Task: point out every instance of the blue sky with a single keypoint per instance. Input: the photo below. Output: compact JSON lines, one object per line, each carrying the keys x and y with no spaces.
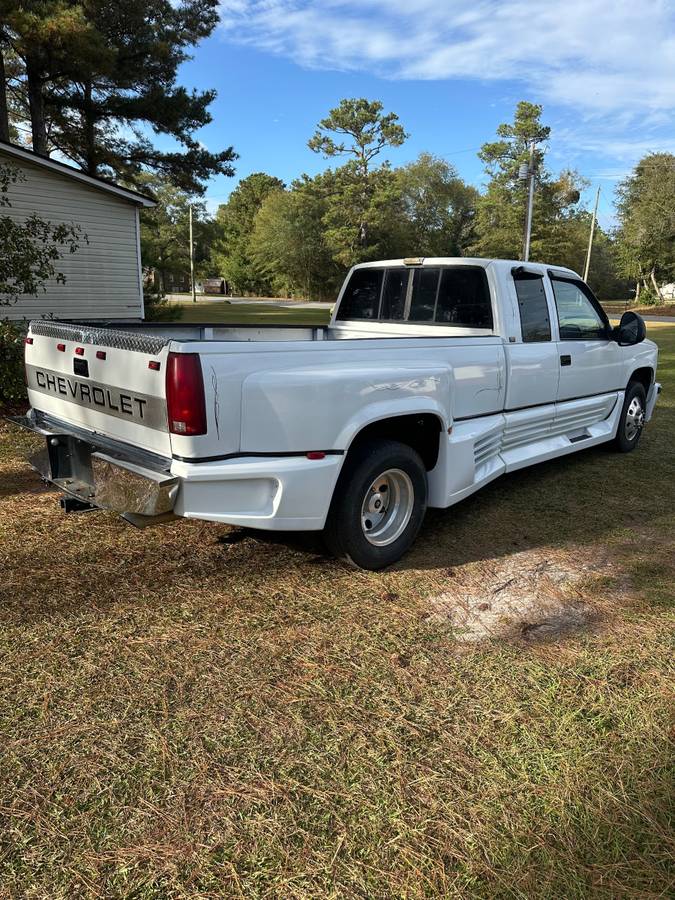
{"x":604,"y":72}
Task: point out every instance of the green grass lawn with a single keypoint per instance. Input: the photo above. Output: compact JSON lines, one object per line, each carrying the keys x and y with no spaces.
{"x":618,"y":307}
{"x":251,"y":314}
{"x":192,"y":711}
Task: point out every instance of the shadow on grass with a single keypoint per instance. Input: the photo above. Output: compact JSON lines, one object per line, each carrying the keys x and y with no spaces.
{"x":575,"y":499}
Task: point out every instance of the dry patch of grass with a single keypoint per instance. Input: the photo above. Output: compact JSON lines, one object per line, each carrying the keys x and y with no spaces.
{"x":193,"y":711}
{"x":532,"y":594}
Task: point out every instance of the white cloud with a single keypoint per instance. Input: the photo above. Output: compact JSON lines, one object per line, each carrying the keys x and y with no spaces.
{"x":597,"y":56}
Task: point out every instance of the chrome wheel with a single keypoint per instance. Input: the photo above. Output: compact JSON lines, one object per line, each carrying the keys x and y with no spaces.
{"x":635,"y":419}
{"x":387,"y":507}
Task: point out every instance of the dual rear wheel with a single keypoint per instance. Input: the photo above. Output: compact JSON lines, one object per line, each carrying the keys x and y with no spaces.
{"x":378,"y":504}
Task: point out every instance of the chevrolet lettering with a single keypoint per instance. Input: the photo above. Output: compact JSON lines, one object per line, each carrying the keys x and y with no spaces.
{"x":85,"y":392}
{"x":432,"y":378}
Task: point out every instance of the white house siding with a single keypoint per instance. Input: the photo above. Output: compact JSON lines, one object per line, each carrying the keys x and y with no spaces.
{"x":103,"y":277}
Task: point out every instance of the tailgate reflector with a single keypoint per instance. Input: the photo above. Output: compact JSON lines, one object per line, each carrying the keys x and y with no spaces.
{"x":315,"y":454}
{"x":101,"y":354}
{"x":185,"y":394}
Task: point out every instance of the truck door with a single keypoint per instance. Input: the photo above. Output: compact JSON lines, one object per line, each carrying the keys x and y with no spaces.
{"x":590,"y":362}
{"x":532,"y":359}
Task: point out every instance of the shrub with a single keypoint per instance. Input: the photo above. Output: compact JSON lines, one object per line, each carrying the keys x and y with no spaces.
{"x":12,"y":381}
{"x":158,"y":308}
{"x":649,"y":297}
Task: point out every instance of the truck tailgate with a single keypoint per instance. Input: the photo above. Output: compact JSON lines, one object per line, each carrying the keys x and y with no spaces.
{"x":107,"y":381}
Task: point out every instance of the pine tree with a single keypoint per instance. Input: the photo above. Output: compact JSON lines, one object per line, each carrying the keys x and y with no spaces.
{"x":500,"y":214}
{"x":100,"y":75}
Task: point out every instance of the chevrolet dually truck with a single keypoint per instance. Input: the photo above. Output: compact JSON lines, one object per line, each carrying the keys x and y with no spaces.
{"x":433,"y":377}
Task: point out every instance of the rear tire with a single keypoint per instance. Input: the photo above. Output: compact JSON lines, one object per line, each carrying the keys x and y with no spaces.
{"x":631,"y":420}
{"x":378,"y":505}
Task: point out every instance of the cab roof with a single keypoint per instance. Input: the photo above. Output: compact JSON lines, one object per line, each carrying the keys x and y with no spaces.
{"x":416,"y":261}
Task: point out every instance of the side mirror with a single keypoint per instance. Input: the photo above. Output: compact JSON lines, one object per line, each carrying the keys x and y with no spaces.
{"x":630,"y":330}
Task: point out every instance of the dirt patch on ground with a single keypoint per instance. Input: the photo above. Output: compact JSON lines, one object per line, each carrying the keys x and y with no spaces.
{"x":530,"y":595}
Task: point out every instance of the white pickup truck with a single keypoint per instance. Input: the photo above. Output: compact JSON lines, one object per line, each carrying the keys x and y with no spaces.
{"x":433,"y":377}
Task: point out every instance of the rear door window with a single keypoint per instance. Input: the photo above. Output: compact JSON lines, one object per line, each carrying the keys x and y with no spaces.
{"x":361,"y":299}
{"x":535,"y":322}
{"x":464,"y":298}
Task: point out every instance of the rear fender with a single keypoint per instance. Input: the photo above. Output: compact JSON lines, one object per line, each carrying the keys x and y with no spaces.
{"x":325,"y":408}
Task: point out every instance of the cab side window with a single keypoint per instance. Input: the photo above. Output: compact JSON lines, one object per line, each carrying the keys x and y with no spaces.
{"x":578,"y":318}
{"x":535,"y":322}
{"x":361,"y":299}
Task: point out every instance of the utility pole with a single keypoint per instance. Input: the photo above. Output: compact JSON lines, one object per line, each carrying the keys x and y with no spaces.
{"x":590,"y":237}
{"x":192,"y":262}
{"x":528,"y":172}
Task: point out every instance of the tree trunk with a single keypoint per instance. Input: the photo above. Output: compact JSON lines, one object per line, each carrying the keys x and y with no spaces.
{"x":4,"y":115}
{"x":36,"y":105}
{"x":89,"y":132}
{"x":638,"y":285}
{"x":656,"y":287}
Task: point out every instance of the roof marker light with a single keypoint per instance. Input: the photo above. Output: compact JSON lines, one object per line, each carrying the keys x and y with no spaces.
{"x":79,"y":351}
{"x":61,"y":348}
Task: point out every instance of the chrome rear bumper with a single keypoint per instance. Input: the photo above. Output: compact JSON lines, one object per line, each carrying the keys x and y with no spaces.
{"x":102,"y":475}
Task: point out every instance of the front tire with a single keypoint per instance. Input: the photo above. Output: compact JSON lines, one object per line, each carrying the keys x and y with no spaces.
{"x":631,"y":421}
{"x":378,"y":505}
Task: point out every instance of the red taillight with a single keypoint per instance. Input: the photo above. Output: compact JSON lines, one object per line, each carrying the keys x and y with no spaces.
{"x":155,"y":365}
{"x":185,"y":394}
{"x":79,"y":351}
{"x":100,"y":354}
{"x":29,"y":340}
{"x":61,"y":347}
{"x":315,"y":454}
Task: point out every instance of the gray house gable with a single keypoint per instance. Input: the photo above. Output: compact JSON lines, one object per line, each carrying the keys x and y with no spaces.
{"x":103,"y":277}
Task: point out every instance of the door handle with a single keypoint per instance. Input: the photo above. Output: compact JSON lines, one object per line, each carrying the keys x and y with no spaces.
{"x":566,"y":360}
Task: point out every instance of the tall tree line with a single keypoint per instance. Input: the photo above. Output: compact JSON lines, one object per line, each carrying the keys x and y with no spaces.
{"x":302,"y":238}
{"x":95,"y":79}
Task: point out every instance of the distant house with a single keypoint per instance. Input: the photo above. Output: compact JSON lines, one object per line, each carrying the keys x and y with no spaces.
{"x":104,"y":278}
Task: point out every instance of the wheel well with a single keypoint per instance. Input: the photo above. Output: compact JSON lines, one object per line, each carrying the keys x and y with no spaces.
{"x":420,"y":431}
{"x":643,"y":376}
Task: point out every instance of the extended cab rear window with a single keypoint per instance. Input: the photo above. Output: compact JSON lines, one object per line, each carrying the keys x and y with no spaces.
{"x":443,"y":295}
